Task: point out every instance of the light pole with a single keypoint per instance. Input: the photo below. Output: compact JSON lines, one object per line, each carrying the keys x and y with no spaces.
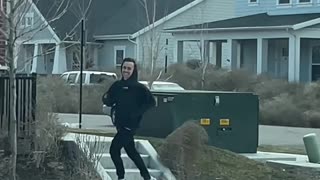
{"x":82,"y":44}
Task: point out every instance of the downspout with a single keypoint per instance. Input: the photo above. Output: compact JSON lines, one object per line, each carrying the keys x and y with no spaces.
{"x":136,"y":44}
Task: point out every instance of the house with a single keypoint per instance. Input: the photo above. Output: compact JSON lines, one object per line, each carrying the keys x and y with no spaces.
{"x":277,"y":37}
{"x":114,"y":29}
{"x":147,"y":42}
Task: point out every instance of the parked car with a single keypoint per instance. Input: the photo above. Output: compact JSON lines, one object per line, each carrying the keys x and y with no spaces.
{"x":4,"y":70}
{"x":89,"y":77}
{"x":163,"y":86}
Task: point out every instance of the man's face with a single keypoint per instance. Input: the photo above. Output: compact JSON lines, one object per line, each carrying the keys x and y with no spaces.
{"x":127,"y":70}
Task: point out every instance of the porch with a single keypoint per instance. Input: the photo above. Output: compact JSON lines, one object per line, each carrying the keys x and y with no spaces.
{"x":50,"y":58}
{"x":287,"y":51}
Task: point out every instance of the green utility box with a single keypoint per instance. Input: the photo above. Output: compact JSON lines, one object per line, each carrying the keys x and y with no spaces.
{"x":231,"y":119}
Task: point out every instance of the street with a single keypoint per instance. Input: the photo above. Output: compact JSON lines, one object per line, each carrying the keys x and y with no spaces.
{"x":268,"y":135}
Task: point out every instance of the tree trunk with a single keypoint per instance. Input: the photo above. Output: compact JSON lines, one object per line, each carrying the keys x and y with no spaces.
{"x":12,"y":82}
{"x":13,"y":122}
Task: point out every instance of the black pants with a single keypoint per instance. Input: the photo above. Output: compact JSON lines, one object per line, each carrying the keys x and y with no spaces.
{"x":124,"y":138}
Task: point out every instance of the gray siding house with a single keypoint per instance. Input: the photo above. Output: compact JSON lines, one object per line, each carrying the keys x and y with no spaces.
{"x":149,"y":43}
{"x":276,"y":37}
{"x":114,"y":29}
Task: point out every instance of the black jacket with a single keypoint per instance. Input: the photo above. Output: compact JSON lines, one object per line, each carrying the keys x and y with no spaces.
{"x":131,"y":100}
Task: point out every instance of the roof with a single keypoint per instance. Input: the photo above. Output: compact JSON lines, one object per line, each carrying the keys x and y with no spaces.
{"x":255,"y":21}
{"x":104,"y":17}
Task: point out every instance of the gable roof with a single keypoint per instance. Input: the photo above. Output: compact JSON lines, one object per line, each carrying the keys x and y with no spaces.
{"x":257,"y":21}
{"x":105,"y":17}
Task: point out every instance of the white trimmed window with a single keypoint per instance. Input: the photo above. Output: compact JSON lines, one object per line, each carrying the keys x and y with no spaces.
{"x":119,"y":54}
{"x":27,"y":20}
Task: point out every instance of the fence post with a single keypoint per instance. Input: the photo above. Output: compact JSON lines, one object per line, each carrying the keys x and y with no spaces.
{"x":312,"y":147}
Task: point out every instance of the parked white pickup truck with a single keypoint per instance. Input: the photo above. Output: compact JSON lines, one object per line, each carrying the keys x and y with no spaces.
{"x":88,"y":78}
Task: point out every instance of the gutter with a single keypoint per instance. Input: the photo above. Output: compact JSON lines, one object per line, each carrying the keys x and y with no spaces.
{"x":112,"y":37}
{"x":228,"y":29}
{"x":78,"y":42}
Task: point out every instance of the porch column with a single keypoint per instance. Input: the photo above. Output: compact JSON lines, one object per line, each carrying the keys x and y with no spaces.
{"x":96,"y":55}
{"x":205,"y":46}
{"x":202,"y":50}
{"x":262,"y":55}
{"x":207,"y":51}
{"x":291,"y":60}
{"x":297,"y":58}
{"x":234,"y":53}
{"x":35,"y":58}
{"x":213,"y":53}
{"x":41,"y":66}
{"x":59,"y":63}
{"x":180,"y":51}
{"x":16,"y":54}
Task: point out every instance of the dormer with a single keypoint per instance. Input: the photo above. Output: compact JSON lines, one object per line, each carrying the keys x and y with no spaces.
{"x":249,"y":7}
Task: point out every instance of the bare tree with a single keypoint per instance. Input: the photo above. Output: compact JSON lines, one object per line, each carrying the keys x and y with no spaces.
{"x":13,"y":13}
{"x":153,"y":39}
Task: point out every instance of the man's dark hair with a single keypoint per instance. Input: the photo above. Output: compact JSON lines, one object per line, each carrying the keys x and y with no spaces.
{"x":134,"y":76}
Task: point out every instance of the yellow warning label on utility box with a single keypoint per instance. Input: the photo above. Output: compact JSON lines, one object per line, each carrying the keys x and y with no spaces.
{"x":224,"y":122}
{"x":205,"y":121}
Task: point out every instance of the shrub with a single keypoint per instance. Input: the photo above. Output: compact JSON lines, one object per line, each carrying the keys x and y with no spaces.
{"x":313,"y":118}
{"x":238,"y":80}
{"x":65,"y":98}
{"x":281,"y":110}
{"x":182,"y":150}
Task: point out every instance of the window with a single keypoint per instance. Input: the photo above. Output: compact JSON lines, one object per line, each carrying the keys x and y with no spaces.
{"x":316,"y":55}
{"x":101,"y":78}
{"x":280,"y":2}
{"x":64,"y":77}
{"x":83,"y":78}
{"x":253,"y":2}
{"x":304,"y":1}
{"x":27,"y":20}
{"x":315,"y":66}
{"x":72,"y":78}
{"x":119,"y":54}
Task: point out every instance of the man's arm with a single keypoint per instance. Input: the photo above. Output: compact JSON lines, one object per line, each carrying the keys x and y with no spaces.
{"x":109,"y":98}
{"x":148,"y":101}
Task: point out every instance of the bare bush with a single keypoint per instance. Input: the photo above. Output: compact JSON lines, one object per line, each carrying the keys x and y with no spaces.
{"x":238,"y":80}
{"x":186,"y":77}
{"x":48,"y":132}
{"x":270,"y":88}
{"x":182,"y":150}
{"x":282,"y":110}
{"x":83,"y":161}
{"x":313,"y":118}
{"x":65,"y":98}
